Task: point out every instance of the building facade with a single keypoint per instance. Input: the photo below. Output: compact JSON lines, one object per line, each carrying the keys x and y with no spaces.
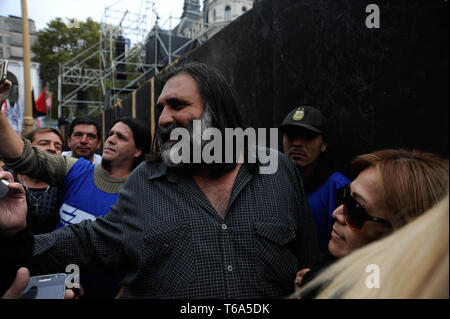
{"x":214,"y":16}
{"x":11,"y":39}
{"x":11,"y":48}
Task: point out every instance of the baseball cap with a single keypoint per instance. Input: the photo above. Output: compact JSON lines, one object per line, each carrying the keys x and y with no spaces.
{"x":307,"y":117}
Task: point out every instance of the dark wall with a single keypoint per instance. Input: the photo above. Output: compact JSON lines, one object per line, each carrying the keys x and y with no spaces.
{"x":243,"y":52}
{"x":379,"y":88}
{"x":125,"y":108}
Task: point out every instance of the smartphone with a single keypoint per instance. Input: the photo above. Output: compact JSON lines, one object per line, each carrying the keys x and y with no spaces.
{"x":46,"y":287}
{"x":3,"y":188}
{"x":3,"y":71}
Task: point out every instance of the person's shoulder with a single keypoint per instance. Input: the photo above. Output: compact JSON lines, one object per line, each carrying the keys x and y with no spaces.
{"x":97,"y":159}
{"x":274,"y":162}
{"x":84,"y":162}
{"x":286,"y":164}
{"x":339,"y":179}
{"x":283,"y":160}
{"x":148,"y":169}
{"x":279,"y":167}
{"x":81,"y":164}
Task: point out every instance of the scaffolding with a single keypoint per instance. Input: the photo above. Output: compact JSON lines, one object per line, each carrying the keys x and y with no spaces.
{"x":164,"y":42}
{"x":133,"y":65}
{"x":76,"y":77}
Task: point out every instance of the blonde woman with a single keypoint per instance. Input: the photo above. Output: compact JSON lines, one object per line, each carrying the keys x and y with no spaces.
{"x":391,"y":188}
{"x":411,"y":263}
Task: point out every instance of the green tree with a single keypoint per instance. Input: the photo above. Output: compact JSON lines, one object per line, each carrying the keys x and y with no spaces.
{"x":58,"y":43}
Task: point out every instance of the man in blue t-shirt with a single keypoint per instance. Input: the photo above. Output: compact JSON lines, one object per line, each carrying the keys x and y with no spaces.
{"x":305,"y":143}
{"x":87,"y":190}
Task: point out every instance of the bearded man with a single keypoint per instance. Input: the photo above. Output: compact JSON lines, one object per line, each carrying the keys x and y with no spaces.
{"x":195,"y":229}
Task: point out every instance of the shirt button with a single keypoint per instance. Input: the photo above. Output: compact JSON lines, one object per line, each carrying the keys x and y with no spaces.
{"x":230,"y":268}
{"x":224,"y":226}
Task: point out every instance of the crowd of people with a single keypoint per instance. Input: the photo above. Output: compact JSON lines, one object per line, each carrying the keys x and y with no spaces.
{"x":141,"y":225}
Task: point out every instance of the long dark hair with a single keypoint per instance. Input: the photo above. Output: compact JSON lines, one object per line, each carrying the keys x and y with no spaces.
{"x":218,"y":98}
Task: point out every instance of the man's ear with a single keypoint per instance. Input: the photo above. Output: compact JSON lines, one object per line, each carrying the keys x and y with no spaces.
{"x":323,"y":147}
{"x":138,"y":152}
{"x":68,"y":141}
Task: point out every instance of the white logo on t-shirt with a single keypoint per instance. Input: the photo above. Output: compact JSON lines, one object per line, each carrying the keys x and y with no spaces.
{"x":72,"y":215}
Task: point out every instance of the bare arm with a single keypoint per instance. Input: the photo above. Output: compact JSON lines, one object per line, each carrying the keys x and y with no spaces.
{"x":11,"y":144}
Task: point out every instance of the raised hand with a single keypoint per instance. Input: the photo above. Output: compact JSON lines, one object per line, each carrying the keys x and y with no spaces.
{"x":13,"y":207}
{"x":4,"y":90}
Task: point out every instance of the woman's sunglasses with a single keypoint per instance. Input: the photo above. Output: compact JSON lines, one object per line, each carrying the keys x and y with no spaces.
{"x":355,"y":214}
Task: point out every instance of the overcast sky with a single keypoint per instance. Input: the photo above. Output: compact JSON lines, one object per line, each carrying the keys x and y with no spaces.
{"x":42,"y":11}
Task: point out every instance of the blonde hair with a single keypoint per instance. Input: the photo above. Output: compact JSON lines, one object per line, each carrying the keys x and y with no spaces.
{"x":411,"y":181}
{"x":413,"y":262}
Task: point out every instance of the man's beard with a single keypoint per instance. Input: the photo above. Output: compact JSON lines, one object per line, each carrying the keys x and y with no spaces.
{"x":165,"y":145}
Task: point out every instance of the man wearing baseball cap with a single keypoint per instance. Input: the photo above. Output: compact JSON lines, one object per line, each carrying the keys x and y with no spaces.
{"x":305,"y":135}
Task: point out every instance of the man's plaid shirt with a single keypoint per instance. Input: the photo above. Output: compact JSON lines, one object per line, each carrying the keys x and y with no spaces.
{"x":168,"y":241}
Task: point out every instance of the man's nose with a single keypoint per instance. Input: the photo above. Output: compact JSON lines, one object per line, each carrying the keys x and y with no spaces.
{"x":166,"y":117}
{"x":297,"y":141}
{"x":51,"y":149}
{"x":84,"y":138}
{"x":110,"y":140}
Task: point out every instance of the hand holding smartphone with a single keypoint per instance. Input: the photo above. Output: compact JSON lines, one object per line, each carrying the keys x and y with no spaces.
{"x":46,"y":287}
{"x":3,"y":188}
{"x":3,"y":71}
{"x":5,"y":86}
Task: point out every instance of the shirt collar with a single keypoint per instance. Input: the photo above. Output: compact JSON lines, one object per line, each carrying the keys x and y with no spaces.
{"x":157,"y":170}
{"x":160,"y":169}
